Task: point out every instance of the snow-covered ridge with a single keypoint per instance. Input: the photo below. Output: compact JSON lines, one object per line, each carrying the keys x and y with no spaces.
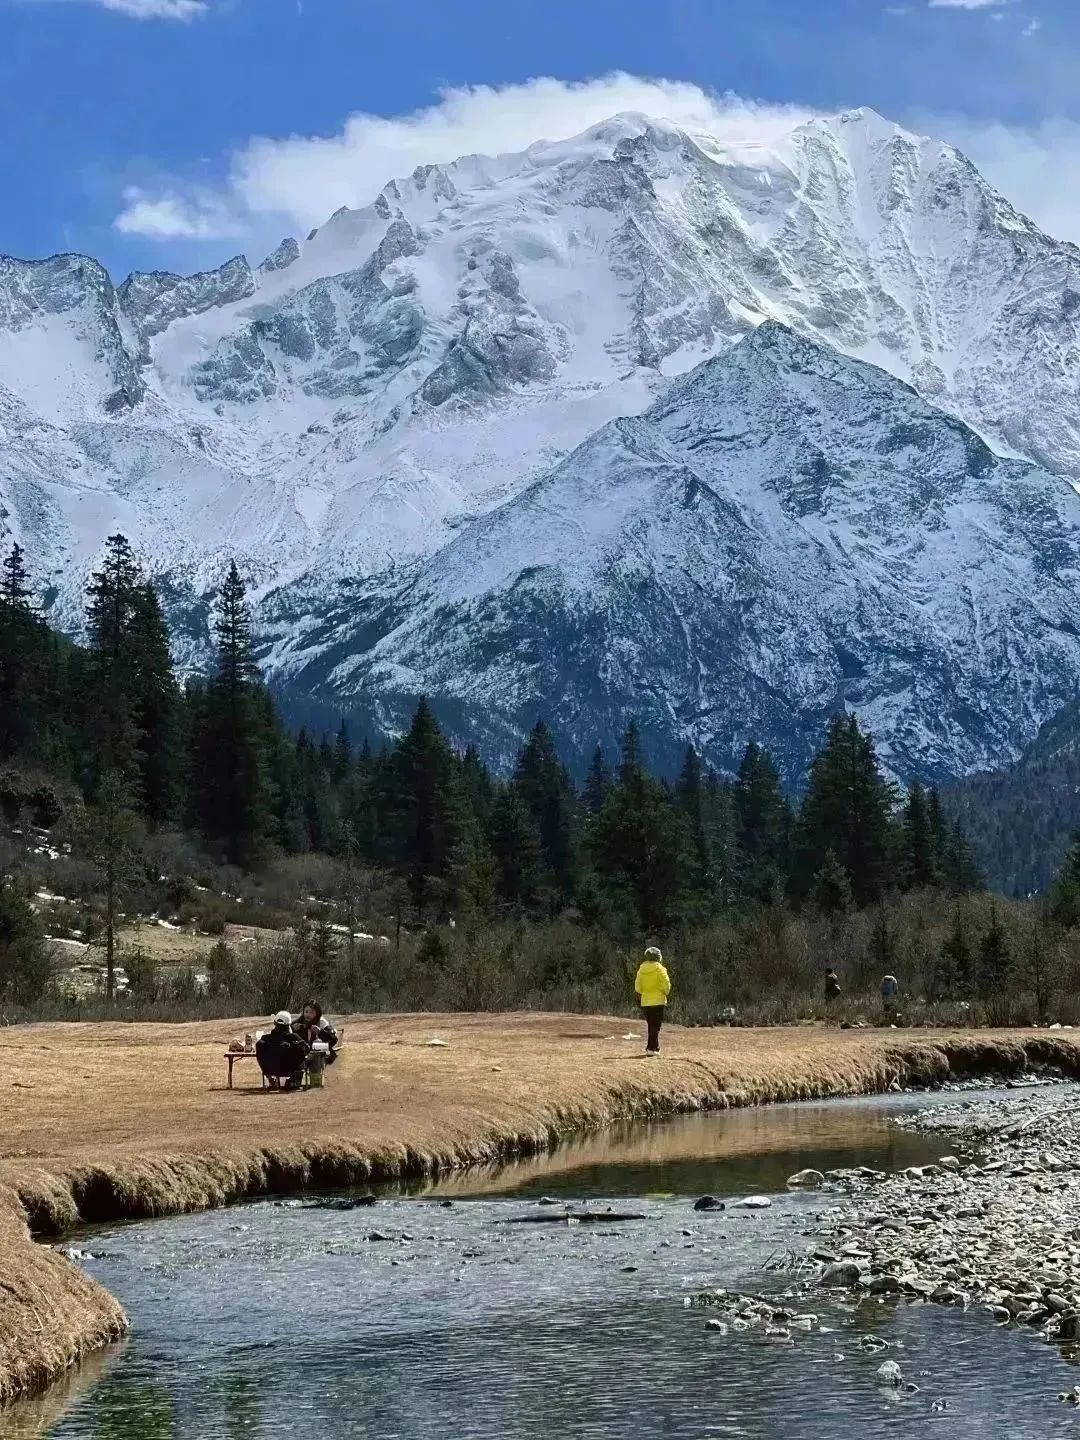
{"x":355,"y":406}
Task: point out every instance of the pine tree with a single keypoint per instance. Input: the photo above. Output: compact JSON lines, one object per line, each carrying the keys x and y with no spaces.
{"x":155,"y":710}
{"x":956,"y":966}
{"x":25,"y":965}
{"x":112,"y":600}
{"x":847,"y":809}
{"x":597,"y":784}
{"x":428,"y":805}
{"x":761,"y":818}
{"x":341,"y":766}
{"x":637,"y":845}
{"x":21,"y":643}
{"x":832,"y":887}
{"x":881,"y":949}
{"x":110,"y":838}
{"x":544,"y":785}
{"x":690,"y":799}
{"x":515,"y":844}
{"x":1064,"y":904}
{"x":994,"y":960}
{"x":920,"y":862}
{"x":234,"y":794}
{"x":721,"y":829}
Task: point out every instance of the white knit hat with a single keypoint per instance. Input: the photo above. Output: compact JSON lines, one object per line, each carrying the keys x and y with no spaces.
{"x":283,"y":1018}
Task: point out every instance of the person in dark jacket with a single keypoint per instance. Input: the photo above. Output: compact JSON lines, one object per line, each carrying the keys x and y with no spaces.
{"x":282,"y":1054}
{"x":311,"y":1025}
{"x":832,"y":987}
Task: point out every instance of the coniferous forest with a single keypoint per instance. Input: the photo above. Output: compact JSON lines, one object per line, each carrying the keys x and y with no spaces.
{"x":410,"y":874}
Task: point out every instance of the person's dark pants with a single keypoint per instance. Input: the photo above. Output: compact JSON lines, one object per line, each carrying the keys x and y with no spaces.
{"x":654,"y":1018}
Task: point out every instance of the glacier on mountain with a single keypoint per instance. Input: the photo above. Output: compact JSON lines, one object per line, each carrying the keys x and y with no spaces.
{"x":372,"y":417}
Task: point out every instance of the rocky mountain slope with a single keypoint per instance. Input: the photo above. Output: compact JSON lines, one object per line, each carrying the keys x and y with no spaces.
{"x":784,"y":533}
{"x":365,"y":408}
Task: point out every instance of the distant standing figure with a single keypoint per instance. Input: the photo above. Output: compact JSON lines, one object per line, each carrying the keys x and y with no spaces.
{"x":653,"y":986}
{"x":889,"y":992}
{"x":282,"y":1054}
{"x":832,"y":987}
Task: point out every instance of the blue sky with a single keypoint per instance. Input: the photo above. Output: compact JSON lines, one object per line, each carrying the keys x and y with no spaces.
{"x":174,"y":133}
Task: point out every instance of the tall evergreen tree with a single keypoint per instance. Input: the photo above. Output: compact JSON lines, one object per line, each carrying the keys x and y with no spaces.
{"x":955,"y":970}
{"x":597,"y":784}
{"x":234,"y":793}
{"x":1064,"y":901}
{"x":761,"y":815}
{"x":22,"y":642}
{"x":638,"y":845}
{"x":920,"y":857}
{"x":155,"y":710}
{"x":110,"y":837}
{"x":113,"y":596}
{"x":847,"y":810}
{"x":691,"y":801}
{"x":429,"y":806}
{"x":994,"y":959}
{"x":25,"y":963}
{"x":548,"y":794}
{"x":516,"y":846}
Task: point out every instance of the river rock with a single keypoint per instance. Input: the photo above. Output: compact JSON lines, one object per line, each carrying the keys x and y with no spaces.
{"x":884,"y":1285}
{"x":890,"y":1375}
{"x":807,"y":1180}
{"x":845,"y":1274}
{"x":719,"y":1325}
{"x":753,"y":1202}
{"x":709,"y":1202}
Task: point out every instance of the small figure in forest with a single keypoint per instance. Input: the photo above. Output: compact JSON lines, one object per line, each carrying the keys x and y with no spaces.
{"x":832,"y":988}
{"x":890,"y":991}
{"x":653,"y":986}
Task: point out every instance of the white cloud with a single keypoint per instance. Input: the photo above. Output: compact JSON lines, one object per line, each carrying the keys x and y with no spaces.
{"x":157,"y":9}
{"x":1031,"y":28}
{"x":170,"y":216}
{"x":966,"y":4}
{"x":273,"y":187}
{"x":149,"y":9}
{"x":1036,"y":167}
{"x":298,"y":182}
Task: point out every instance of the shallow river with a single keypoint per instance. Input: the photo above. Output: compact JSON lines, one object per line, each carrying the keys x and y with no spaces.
{"x":277,"y":1320}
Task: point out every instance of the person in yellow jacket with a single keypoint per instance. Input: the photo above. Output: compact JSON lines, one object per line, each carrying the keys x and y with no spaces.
{"x":653,"y":985}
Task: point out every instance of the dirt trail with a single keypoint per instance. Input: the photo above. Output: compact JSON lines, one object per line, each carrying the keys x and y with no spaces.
{"x":113,"y":1121}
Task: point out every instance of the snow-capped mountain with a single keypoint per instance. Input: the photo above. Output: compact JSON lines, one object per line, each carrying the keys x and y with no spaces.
{"x":362,"y":409}
{"x":784,"y":533}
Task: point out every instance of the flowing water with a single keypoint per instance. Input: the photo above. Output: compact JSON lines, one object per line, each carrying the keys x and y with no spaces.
{"x":431,"y":1315}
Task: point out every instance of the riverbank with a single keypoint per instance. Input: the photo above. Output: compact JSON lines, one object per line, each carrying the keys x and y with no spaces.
{"x":995,"y":1225}
{"x":114,"y":1121}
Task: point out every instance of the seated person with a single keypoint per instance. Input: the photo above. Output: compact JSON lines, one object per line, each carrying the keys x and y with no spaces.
{"x":282,"y":1054}
{"x":312,"y":1025}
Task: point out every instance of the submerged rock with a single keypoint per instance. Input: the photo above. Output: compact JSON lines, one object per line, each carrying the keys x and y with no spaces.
{"x":806,"y":1180}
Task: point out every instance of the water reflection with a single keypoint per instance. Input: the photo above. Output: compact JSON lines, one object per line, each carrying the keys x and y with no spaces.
{"x":421,"y":1321}
{"x":734,"y":1152}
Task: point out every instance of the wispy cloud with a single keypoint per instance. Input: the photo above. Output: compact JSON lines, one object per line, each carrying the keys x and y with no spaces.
{"x":298,"y":182}
{"x":967,"y":4}
{"x":169,"y":216}
{"x":183,"y":10}
{"x":271,"y":187}
{"x":1031,"y":28}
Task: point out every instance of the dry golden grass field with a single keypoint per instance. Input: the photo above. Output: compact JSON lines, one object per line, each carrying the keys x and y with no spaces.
{"x":112,"y":1121}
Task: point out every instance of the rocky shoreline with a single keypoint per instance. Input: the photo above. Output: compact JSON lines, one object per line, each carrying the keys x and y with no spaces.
{"x":995,"y":1225}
